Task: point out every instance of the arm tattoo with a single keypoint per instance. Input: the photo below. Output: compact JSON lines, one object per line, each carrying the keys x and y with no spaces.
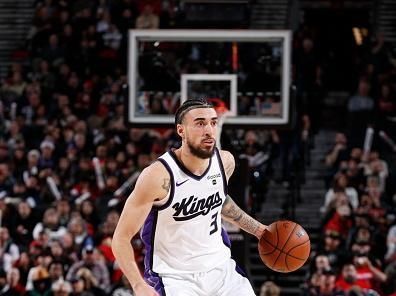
{"x":236,"y":215}
{"x":166,"y":184}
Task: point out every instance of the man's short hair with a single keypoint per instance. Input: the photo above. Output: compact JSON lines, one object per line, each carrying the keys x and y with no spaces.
{"x":190,"y":105}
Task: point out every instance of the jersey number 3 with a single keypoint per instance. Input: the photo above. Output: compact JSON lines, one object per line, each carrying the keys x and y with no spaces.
{"x":214,"y":224}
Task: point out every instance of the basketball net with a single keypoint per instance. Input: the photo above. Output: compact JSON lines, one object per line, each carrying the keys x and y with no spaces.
{"x":222,"y":113}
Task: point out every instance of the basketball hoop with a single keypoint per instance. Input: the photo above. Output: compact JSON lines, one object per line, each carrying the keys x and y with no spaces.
{"x":222,"y":113}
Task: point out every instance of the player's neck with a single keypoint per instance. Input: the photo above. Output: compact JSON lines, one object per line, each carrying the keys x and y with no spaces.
{"x":194,"y":164}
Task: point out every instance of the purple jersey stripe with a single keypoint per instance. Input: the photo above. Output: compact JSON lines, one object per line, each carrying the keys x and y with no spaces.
{"x":148,"y":235}
{"x":227,"y":242}
{"x":239,"y":270}
{"x":226,"y":239}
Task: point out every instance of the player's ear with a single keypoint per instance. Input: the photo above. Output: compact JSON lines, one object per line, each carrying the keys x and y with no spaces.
{"x":180,"y":130}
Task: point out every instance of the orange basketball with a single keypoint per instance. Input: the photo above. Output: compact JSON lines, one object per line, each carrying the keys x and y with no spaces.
{"x":285,"y":246}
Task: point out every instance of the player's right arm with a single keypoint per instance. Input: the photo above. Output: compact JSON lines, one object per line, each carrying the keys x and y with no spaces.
{"x":152,"y":184}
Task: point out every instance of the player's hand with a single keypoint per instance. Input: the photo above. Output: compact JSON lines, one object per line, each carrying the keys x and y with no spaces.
{"x":143,"y":289}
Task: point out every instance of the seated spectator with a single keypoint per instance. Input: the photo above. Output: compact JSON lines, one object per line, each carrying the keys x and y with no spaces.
{"x":341,"y":185}
{"x":327,"y":285}
{"x":4,"y":288}
{"x":15,"y":287}
{"x":56,"y":271}
{"x":71,"y":251}
{"x":338,"y":153}
{"x":64,"y":210}
{"x":83,"y":286}
{"x":374,"y":166}
{"x":98,"y":274}
{"x":333,"y":247}
{"x":6,"y":180}
{"x":46,"y":160}
{"x":355,"y":175}
{"x":360,"y":108}
{"x":147,"y":19}
{"x":339,"y":218}
{"x":61,"y":288}
{"x":348,"y":279}
{"x":368,"y":275}
{"x":390,"y":255}
{"x":89,"y":214}
{"x":24,"y":264}
{"x":49,"y":225}
{"x":59,"y":254}
{"x":15,"y":84}
{"x":320,"y":263}
{"x":39,"y":282}
{"x":386,"y":101}
{"x":7,"y":246}
{"x":269,"y":289}
{"x":390,"y":272}
{"x":77,"y":227}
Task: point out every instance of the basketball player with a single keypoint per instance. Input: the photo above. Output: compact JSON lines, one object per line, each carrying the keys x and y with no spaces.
{"x":178,"y":203}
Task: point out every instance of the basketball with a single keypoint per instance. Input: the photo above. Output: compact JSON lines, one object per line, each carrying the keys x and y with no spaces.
{"x":285,"y":246}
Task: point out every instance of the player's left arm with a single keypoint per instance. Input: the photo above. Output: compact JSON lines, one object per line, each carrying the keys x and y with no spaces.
{"x":231,"y":211}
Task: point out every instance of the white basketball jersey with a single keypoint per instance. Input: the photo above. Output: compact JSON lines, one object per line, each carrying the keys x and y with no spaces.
{"x":184,"y":235}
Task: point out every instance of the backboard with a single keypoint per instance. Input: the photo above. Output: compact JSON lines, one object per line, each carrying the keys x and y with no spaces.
{"x":251,"y":69}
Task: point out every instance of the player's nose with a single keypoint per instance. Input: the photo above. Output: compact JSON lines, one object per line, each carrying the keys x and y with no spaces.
{"x":209,"y":130}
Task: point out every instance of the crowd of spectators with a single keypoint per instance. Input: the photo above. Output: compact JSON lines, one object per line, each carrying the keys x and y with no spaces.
{"x":67,"y":159}
{"x":357,"y":255}
{"x":65,"y":149}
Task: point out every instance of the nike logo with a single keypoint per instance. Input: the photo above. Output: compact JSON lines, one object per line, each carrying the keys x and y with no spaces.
{"x":181,"y":183}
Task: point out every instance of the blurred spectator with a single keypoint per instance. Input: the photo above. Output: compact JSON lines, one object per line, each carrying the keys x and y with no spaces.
{"x":308,"y":72}
{"x":60,"y":256}
{"x":341,"y":185}
{"x":40,"y":282}
{"x":7,"y":246}
{"x":61,"y":288}
{"x":112,"y":38}
{"x":320,"y":263}
{"x":327,"y":287}
{"x":15,"y":84}
{"x":147,"y":19}
{"x":6,"y":180}
{"x":360,"y":113}
{"x":50,"y":225}
{"x":390,"y":255}
{"x":95,"y":271}
{"x":63,"y":209}
{"x":348,"y":278}
{"x":386,"y":105}
{"x":77,"y":227}
{"x":55,"y":271}
{"x":338,"y":153}
{"x":333,"y":248}
{"x":339,"y":217}
{"x":269,"y":289}
{"x":13,"y":282}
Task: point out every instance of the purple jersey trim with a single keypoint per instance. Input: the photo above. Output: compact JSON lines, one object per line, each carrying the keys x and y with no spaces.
{"x":227,"y":242}
{"x":225,"y":185}
{"x":148,"y":235}
{"x":226,"y":239}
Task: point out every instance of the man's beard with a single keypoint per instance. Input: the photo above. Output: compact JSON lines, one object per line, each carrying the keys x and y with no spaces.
{"x":199,"y":152}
